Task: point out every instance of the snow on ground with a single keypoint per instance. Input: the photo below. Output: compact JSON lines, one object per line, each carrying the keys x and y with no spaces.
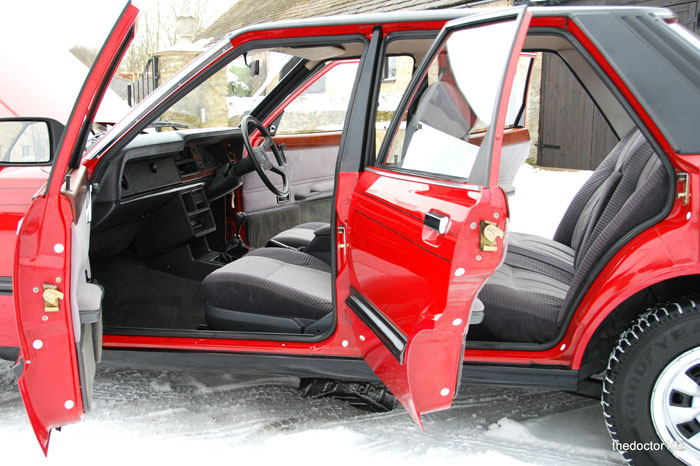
{"x":161,"y":417}
{"x":168,"y":417}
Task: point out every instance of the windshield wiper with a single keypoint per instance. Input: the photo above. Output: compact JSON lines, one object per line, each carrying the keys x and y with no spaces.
{"x":158,"y":125}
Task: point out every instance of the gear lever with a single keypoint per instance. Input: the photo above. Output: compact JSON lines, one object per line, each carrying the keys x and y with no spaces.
{"x":237,"y":248}
{"x":241,"y":218}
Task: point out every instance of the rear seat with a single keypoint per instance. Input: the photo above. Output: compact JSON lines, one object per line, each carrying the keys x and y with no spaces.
{"x":526,"y":297}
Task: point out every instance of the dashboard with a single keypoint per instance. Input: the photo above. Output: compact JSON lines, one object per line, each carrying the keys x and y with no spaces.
{"x":154,"y":168}
{"x":196,"y":161}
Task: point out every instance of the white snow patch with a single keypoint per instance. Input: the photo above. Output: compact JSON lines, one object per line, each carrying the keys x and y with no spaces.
{"x":204,"y":388}
{"x":161,"y":384}
{"x":541,"y":198}
{"x":577,"y":433}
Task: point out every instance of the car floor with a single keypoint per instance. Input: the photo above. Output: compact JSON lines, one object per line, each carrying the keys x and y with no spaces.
{"x":139,"y":296}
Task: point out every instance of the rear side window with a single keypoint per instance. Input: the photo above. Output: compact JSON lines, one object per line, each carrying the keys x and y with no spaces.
{"x":453,"y":103}
{"x":396,"y":75}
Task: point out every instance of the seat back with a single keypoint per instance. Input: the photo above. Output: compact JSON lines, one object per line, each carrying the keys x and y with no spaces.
{"x":633,"y":192}
{"x":572,"y":216}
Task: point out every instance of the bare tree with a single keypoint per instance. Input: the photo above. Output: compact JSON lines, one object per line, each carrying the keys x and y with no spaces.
{"x":86,"y":55}
{"x":157,"y":30}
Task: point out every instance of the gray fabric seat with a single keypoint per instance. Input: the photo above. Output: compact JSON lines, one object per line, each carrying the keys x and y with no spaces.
{"x":542,"y":255}
{"x":279,"y":289}
{"x":271,"y":290}
{"x":299,"y":236}
{"x":527,"y":298}
{"x":519,"y":305}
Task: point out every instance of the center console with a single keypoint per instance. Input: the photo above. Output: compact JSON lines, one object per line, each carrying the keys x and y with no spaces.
{"x":174,"y":238}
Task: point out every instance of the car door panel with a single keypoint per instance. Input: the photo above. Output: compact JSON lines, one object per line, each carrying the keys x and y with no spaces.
{"x":51,"y":270}
{"x":401,"y":268}
{"x":50,"y":382}
{"x":420,"y":242}
{"x":308,"y":122}
{"x":311,"y":167}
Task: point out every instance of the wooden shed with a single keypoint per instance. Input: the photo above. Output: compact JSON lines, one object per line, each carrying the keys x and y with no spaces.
{"x":581,"y":139}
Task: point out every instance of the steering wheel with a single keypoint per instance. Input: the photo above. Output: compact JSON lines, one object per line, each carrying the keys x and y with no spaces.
{"x":259,"y":157}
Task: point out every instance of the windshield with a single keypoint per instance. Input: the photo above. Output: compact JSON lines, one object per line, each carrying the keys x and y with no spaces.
{"x":231,"y":93}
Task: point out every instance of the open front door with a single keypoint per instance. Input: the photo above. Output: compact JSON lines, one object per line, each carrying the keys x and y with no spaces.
{"x":426,"y":224}
{"x":56,"y":305}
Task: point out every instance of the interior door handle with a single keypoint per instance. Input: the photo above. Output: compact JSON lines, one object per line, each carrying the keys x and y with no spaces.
{"x":437,"y":222}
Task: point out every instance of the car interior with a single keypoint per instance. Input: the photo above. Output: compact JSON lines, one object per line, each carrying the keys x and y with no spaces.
{"x":189,"y":239}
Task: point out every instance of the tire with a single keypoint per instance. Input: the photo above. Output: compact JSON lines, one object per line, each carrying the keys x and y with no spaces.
{"x":644,"y":411}
{"x":373,"y":398}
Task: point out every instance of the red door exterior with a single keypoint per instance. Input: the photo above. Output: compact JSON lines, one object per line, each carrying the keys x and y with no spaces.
{"x":413,"y":236}
{"x":50,"y":382}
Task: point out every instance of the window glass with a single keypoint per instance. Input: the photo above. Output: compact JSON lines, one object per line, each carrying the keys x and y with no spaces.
{"x":455,"y":100}
{"x":323,"y":105}
{"x":397,"y":74}
{"x":230,"y":94}
{"x":516,"y":115}
{"x":389,"y":68}
{"x":24,"y":142}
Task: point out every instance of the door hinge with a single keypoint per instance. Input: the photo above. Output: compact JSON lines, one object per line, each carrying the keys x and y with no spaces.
{"x":51,"y":297}
{"x":684,"y":194}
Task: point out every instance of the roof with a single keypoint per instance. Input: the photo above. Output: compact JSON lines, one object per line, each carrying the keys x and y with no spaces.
{"x":248,"y":12}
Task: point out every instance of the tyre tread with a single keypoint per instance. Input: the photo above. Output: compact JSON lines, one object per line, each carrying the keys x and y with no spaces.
{"x":653,"y":318}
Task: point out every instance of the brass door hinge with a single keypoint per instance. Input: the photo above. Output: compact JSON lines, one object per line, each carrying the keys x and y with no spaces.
{"x":684,"y":194}
{"x":51,"y":297}
{"x":487,"y":238}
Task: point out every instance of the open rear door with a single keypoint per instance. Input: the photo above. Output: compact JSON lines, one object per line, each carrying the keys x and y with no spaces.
{"x":426,"y":223}
{"x":56,"y":305}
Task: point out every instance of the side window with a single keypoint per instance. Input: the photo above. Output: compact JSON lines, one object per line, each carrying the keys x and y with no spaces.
{"x":454,"y":101}
{"x":396,"y":75}
{"x":322,"y":106}
{"x":517,"y":105}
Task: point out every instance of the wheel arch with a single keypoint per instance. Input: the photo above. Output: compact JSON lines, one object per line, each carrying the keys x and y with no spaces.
{"x":603,"y":337}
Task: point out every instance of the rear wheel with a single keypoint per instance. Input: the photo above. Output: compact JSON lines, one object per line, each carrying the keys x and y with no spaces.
{"x":651,"y":390}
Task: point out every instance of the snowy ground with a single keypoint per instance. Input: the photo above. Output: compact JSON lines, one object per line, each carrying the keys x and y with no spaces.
{"x":152,"y":417}
{"x":161,"y":417}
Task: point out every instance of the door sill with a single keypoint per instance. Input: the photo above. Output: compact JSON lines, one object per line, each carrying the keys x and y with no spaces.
{"x":216,"y":334}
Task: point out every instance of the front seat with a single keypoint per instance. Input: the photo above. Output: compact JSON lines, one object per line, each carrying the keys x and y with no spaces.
{"x":272,"y":290}
{"x":299,"y":236}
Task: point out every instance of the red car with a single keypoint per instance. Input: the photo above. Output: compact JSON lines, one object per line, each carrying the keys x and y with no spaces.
{"x":164,"y":249}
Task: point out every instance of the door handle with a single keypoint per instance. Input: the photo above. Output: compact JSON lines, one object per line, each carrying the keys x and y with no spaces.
{"x":437,"y":222}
